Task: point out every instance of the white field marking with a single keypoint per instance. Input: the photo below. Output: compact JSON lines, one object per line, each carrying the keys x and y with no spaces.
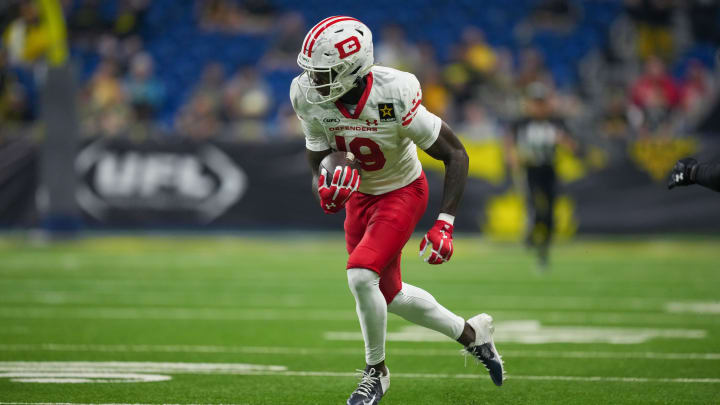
{"x":95,"y":298}
{"x":531,"y":332}
{"x":310,"y":351}
{"x":293,"y":314}
{"x":75,"y":403}
{"x":133,"y":367}
{"x":243,"y":369}
{"x":81,"y":377}
{"x":712,"y":307}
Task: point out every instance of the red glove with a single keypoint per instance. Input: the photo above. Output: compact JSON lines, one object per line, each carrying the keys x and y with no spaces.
{"x":333,"y":197}
{"x":440,"y":236}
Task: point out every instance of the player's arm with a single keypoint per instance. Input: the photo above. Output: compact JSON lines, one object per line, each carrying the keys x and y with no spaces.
{"x":511,"y":153}
{"x":314,"y":158}
{"x":708,"y":175}
{"x":688,"y":171}
{"x":451,"y":152}
{"x":565,"y":137}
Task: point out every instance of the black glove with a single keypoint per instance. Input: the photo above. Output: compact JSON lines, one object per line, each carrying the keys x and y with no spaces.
{"x":683,"y":174}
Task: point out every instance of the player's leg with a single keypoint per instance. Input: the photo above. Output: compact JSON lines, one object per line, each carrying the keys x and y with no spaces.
{"x":372,"y":313}
{"x":420,"y":307}
{"x":364,"y":284}
{"x":531,"y":203}
{"x":546,"y":188}
{"x":415,"y":304}
{"x":370,"y":305}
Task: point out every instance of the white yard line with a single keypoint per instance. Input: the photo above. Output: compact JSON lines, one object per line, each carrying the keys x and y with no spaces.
{"x":68,"y":296}
{"x":86,"y":368}
{"x":293,"y":314}
{"x":312,"y":351}
{"x":75,"y":403}
{"x":697,"y":307}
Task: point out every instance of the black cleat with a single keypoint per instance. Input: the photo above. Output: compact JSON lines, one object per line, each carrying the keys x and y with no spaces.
{"x":483,"y":349}
{"x":371,"y":388}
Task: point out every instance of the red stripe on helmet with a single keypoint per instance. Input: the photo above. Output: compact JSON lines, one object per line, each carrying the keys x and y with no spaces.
{"x":307,"y":38}
{"x":317,"y":34}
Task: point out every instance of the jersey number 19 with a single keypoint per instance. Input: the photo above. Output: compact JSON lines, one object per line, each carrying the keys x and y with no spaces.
{"x":371,"y":157}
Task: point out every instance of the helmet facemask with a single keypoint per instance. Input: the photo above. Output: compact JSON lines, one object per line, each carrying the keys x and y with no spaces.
{"x":325,"y":84}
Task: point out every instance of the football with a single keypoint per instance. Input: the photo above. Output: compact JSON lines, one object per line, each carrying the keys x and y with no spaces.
{"x":339,"y":159}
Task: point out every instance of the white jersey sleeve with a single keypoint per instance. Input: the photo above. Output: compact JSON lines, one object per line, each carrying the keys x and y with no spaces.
{"x":315,"y":139}
{"x":417,"y":123}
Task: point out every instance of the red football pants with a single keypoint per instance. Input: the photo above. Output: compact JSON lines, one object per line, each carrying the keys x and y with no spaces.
{"x":378,"y":226}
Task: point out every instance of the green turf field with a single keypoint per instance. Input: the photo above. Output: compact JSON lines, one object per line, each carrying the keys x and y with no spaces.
{"x":270,"y":320}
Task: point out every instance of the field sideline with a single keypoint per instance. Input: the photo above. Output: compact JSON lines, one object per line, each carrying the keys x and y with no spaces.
{"x":269,"y":319}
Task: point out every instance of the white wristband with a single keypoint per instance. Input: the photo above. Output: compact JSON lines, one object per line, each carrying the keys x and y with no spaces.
{"x":447,"y":218}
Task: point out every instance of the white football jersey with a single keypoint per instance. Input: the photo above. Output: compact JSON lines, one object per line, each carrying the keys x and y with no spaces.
{"x":382,"y":131}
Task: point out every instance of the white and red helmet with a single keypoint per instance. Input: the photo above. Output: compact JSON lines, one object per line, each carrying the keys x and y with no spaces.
{"x":340,"y":47}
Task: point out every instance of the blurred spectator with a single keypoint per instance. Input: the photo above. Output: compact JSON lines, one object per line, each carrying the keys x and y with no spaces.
{"x":436,"y":97}
{"x":14,"y":104}
{"x":697,"y":90}
{"x":233,"y":16}
{"x":655,"y":94}
{"x":555,"y":15}
{"x":199,"y":118}
{"x":130,"y":17}
{"x":286,"y":124}
{"x":211,"y":84}
{"x":476,"y":123}
{"x":107,"y":111}
{"x":247,"y":101}
{"x":428,"y":63}
{"x":145,"y":92}
{"x":459,"y":79}
{"x":653,"y":21}
{"x":285,"y":46}
{"x":480,"y":56}
{"x":614,"y":122}
{"x":395,"y":51}
{"x":26,"y":37}
{"x":86,"y":24}
{"x":531,"y":69}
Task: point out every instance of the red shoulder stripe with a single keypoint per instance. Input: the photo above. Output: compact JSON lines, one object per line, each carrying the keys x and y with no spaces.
{"x":409,"y":120}
{"x":415,"y":107}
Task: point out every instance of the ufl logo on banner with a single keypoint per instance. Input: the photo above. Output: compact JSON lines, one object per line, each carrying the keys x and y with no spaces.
{"x":206,"y":182}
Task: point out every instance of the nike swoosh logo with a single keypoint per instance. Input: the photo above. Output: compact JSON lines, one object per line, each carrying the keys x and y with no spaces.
{"x":369,"y":401}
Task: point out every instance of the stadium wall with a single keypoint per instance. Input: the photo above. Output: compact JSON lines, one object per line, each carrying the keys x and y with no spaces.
{"x":184,"y":184}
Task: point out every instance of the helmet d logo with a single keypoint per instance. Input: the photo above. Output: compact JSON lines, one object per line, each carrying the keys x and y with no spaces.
{"x":348,"y":47}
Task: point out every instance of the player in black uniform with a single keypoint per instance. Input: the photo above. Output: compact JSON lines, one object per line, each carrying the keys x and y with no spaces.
{"x":531,"y":147}
{"x":688,"y":171}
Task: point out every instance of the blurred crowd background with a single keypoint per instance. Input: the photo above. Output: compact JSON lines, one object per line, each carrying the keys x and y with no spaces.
{"x":221,"y":68}
{"x":182,"y":105}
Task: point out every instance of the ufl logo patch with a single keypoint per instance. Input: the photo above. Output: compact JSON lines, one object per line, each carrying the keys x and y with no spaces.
{"x":386,"y":111}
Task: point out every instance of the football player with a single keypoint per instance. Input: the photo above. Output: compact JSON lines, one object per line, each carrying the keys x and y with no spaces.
{"x":345,"y":103}
{"x":531,"y":147}
{"x":688,"y":171}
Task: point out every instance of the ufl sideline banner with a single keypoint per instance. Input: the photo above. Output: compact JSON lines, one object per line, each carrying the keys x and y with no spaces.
{"x":181,"y":184}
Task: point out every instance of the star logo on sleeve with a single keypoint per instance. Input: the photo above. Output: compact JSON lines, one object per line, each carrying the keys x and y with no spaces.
{"x":386,"y":112}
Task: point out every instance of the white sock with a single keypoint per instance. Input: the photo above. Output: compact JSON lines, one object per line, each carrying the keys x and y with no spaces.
{"x":419,"y":307}
{"x":372,"y":312}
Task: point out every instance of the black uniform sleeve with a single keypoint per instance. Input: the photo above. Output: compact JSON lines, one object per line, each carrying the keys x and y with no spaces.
{"x":708,"y":175}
